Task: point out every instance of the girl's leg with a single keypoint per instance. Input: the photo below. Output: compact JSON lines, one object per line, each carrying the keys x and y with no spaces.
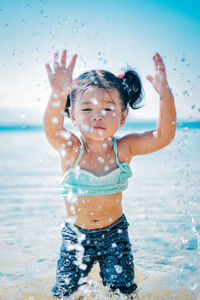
{"x":69,"y":275}
{"x":117,"y":267}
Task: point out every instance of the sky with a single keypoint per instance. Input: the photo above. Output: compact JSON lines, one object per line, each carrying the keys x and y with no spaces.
{"x":105,"y":34}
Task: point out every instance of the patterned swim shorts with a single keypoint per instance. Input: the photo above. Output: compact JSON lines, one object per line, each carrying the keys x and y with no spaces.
{"x":81,"y":248}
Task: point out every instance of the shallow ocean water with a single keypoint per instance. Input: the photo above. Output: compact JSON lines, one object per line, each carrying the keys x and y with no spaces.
{"x":162,"y":205}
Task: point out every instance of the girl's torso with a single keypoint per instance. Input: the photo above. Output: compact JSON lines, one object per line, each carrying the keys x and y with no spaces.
{"x":96,"y":211}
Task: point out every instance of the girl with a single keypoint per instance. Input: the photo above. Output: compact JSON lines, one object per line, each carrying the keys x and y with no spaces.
{"x":95,"y":167}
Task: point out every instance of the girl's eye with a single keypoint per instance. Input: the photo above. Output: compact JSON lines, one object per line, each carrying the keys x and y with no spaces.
{"x":86,"y":109}
{"x":109,"y":109}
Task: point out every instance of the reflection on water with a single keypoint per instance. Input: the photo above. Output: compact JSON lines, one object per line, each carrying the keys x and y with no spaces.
{"x":162,"y":206}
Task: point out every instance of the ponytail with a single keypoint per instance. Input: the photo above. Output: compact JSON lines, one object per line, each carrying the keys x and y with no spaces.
{"x":132,"y":83}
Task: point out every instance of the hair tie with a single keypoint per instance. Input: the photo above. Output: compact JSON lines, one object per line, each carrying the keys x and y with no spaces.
{"x":121,"y":76}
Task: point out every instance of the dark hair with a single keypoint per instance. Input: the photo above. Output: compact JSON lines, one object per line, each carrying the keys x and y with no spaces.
{"x":129,"y":88}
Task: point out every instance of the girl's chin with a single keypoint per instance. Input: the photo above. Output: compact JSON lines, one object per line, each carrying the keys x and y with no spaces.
{"x":95,"y":136}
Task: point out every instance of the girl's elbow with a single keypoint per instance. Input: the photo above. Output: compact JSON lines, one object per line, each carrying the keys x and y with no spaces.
{"x":169,"y":138}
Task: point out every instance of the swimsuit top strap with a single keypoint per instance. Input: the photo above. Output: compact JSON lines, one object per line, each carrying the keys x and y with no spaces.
{"x":79,"y":156}
{"x":116,"y":151}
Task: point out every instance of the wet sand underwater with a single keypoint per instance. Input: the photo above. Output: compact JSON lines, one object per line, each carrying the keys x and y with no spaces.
{"x":40,"y":290}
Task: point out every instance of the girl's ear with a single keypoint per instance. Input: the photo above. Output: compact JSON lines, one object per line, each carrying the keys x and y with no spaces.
{"x":72,"y":116}
{"x":124,"y":116}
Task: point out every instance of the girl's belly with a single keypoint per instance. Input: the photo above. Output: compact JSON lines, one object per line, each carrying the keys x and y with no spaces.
{"x":95,"y":211}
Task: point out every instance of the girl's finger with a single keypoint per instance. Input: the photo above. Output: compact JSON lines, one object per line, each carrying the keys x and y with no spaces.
{"x":63,"y":58}
{"x":160,"y":62}
{"x":48,"y":68}
{"x":150,"y":78}
{"x":155,"y":58}
{"x":72,"y":63}
{"x":55,"y":61}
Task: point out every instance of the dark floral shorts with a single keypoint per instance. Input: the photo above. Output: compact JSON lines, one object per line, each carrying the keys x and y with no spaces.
{"x":81,"y":248}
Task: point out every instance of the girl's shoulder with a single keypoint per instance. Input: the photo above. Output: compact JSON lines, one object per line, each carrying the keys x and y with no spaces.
{"x":124,"y":150}
{"x":69,"y":151}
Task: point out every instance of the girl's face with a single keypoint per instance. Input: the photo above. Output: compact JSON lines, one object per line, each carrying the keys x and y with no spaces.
{"x":98,"y":113}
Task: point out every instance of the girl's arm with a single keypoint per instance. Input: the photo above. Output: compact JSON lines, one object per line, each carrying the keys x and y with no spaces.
{"x":61,"y":83}
{"x":154,"y":140}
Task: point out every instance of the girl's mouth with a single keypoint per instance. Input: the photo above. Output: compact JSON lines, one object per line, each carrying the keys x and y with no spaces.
{"x":98,"y":127}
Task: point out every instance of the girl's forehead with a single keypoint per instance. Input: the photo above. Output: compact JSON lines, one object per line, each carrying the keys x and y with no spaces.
{"x":100,"y":95}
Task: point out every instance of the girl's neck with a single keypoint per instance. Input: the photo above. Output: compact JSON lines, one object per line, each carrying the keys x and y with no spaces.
{"x":98,"y":147}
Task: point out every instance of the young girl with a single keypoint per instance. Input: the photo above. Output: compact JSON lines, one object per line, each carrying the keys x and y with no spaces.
{"x":95,"y":167}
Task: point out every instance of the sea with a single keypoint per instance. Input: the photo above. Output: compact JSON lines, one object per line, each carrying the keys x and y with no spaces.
{"x":162,"y":205}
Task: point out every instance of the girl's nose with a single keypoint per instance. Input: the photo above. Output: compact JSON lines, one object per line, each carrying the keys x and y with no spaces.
{"x":97,"y":117}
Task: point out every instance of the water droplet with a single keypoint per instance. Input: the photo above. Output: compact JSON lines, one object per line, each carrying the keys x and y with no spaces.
{"x":100,"y":159}
{"x":85,"y":127}
{"x":56,"y":103}
{"x":71,"y":197}
{"x":112,"y":161}
{"x":110,"y":220}
{"x":94,"y":101}
{"x":72,"y":209}
{"x":186,"y":93}
{"x":67,"y":280}
{"x":193,"y":106}
{"x":55,"y":96}
{"x":106,"y":168}
{"x":23,"y":116}
{"x":92,"y":78}
{"x":69,"y":143}
{"x":65,"y":134}
{"x":55,"y":120}
{"x":103,"y":112}
{"x":63,"y":152}
{"x":118,"y":269}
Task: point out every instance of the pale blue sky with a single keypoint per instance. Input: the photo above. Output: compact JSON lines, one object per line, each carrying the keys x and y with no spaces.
{"x":104,"y":34}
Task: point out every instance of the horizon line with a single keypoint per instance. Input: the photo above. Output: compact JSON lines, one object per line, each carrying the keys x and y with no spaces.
{"x":180,"y":124}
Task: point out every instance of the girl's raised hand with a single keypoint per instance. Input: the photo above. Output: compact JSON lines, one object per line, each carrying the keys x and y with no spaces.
{"x":60,"y":78}
{"x":159,"y":81}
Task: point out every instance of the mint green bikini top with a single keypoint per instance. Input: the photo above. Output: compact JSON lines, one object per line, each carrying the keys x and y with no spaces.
{"x":84,"y":183}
